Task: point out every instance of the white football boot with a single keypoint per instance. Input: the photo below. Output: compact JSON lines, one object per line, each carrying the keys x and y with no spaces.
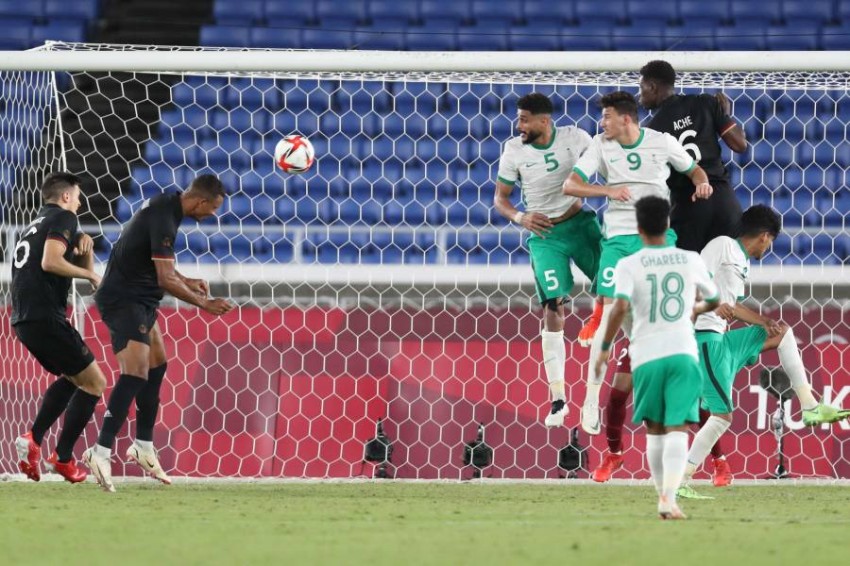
{"x":101,"y":469}
{"x":148,"y":461}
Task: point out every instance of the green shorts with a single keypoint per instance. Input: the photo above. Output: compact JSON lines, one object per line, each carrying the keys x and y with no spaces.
{"x":576,"y":239}
{"x":613,"y":250}
{"x":667,"y":391}
{"x":721,"y":357}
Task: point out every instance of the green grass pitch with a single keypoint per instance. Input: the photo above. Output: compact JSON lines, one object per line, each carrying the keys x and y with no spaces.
{"x":417,"y":523}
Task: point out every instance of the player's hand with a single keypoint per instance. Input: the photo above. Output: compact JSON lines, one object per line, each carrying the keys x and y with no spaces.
{"x":726,"y":312}
{"x":772,"y":327}
{"x":217,"y":306}
{"x":199,"y":287}
{"x":537,"y":223}
{"x":703,"y":190}
{"x":619,"y":193}
{"x":725,"y":105}
{"x":602,"y":361}
{"x":95,"y":281}
{"x":85,"y":245}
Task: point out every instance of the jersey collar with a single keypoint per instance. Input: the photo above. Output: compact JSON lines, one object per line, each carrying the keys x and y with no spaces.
{"x":637,"y":143}
{"x":743,"y":249}
{"x":551,"y":140}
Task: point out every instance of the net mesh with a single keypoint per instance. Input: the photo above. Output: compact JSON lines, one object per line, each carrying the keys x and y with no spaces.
{"x":382,"y":284}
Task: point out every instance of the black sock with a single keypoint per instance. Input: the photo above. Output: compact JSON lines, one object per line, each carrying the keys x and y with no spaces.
{"x":147,"y":403}
{"x":80,"y":410}
{"x":52,"y":404}
{"x":122,"y":396}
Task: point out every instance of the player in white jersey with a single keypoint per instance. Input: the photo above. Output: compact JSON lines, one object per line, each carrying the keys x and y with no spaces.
{"x":659,"y":285}
{"x":635,"y":163}
{"x":562,"y":232}
{"x":723,"y":353}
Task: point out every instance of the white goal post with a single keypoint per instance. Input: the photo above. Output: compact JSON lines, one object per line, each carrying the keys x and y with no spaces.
{"x":381,"y":284}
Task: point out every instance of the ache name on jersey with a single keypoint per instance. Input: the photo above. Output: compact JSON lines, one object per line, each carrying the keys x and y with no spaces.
{"x":683,"y":123}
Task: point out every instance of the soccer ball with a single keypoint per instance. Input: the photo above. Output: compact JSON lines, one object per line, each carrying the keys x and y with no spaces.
{"x":294,"y":154}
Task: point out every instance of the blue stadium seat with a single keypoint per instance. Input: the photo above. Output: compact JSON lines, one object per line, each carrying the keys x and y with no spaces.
{"x":393,"y":11}
{"x":588,"y":11}
{"x":740,"y":37}
{"x":285,"y":13}
{"x":579,"y":39}
{"x":456,"y":12}
{"x":803,"y":36}
{"x":499,"y":12}
{"x":24,"y":10}
{"x":836,"y":38}
{"x":58,"y":30}
{"x":225,"y":36}
{"x":694,"y":36}
{"x":13,"y":35}
{"x":654,"y":13}
{"x":637,"y":38}
{"x":814,"y":11}
{"x":755,"y":12}
{"x":315,"y":38}
{"x":536,"y":12}
{"x":442,"y":37}
{"x":537,"y":37}
{"x":368,"y":37}
{"x":490,"y":37}
{"x":716,"y":13}
{"x":71,"y":9}
{"x":330,"y":12}
{"x":238,"y":12}
{"x":276,"y":38}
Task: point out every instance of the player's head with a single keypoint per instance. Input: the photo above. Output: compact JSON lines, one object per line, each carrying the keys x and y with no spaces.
{"x":534,"y":116}
{"x":204,"y":196}
{"x":759,"y":227}
{"x":619,"y":114}
{"x":657,"y":79}
{"x":63,"y":189}
{"x":653,"y":216}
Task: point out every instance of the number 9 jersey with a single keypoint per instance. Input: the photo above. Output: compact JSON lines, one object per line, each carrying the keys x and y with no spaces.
{"x":36,"y":294}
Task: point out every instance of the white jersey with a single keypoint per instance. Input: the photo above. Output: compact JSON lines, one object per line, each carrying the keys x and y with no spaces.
{"x":542,"y":170}
{"x":661,"y":283}
{"x":643,"y":167}
{"x":729,"y":264}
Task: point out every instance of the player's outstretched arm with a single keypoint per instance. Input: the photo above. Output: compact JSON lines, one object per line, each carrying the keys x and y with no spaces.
{"x":576,"y":186}
{"x":172,"y":282}
{"x":749,"y":316}
{"x":615,"y":320}
{"x":53,"y":261}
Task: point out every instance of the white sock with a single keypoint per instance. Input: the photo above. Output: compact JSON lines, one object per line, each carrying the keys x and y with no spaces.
{"x":594,"y":382}
{"x":554,"y":360}
{"x":147,"y":445}
{"x":675,"y":460}
{"x":792,"y":363}
{"x":703,"y":441}
{"x":102,"y":451}
{"x":655,"y":457}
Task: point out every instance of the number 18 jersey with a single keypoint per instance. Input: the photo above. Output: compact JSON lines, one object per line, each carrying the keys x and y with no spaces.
{"x":661,"y":283}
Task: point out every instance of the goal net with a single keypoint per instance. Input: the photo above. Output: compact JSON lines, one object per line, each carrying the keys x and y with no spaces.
{"x":382,"y":284}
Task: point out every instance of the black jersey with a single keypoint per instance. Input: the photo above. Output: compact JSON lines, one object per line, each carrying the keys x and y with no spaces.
{"x":130,"y":272}
{"x":37,"y":294}
{"x":696,"y":120}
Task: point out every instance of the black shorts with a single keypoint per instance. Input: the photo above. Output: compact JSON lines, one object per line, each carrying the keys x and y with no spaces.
{"x":131,"y":321}
{"x":697,"y":223}
{"x":56,"y":345}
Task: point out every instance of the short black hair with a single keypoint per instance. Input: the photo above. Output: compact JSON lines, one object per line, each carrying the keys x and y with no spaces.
{"x":759,"y":219}
{"x":659,"y":71}
{"x":536,"y":103}
{"x":653,"y":215}
{"x":621,"y":101}
{"x":57,"y":183}
{"x":209,"y":186}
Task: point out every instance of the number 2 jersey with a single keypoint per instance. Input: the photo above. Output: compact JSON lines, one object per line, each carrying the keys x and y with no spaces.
{"x":643,"y":167}
{"x":696,"y":121}
{"x":661,"y":283}
{"x":37,"y":294}
{"x":542,"y":170}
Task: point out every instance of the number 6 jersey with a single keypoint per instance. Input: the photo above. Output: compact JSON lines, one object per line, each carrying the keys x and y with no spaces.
{"x":36,"y":294}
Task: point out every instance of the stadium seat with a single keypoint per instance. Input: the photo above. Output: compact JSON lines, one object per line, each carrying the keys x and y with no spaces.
{"x":86,"y":10}
{"x":276,"y":38}
{"x":755,"y":13}
{"x":225,"y":36}
{"x":537,"y":12}
{"x":238,"y":12}
{"x":498,"y":12}
{"x":456,"y":12}
{"x":442,"y":37}
{"x":368,"y":37}
{"x":819,"y":12}
{"x":588,"y":12}
{"x":693,"y":36}
{"x":537,"y":37}
{"x":742,"y":37}
{"x":490,"y":37}
{"x":652,"y":13}
{"x":13,"y":35}
{"x":284,"y":13}
{"x":331,"y":13}
{"x":803,"y":36}
{"x":579,"y":39}
{"x":393,"y":12}
{"x":58,"y":30}
{"x":836,"y":38}
{"x":713,"y":13}
{"x":637,"y":38}
{"x":24,"y":10}
{"x":316,"y":38}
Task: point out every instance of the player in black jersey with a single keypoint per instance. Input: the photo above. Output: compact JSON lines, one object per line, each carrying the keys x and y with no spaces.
{"x":696,"y":120}
{"x":50,"y":253}
{"x":140,"y":269}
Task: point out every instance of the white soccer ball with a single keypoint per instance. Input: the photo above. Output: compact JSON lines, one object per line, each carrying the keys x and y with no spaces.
{"x":294,"y":154}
